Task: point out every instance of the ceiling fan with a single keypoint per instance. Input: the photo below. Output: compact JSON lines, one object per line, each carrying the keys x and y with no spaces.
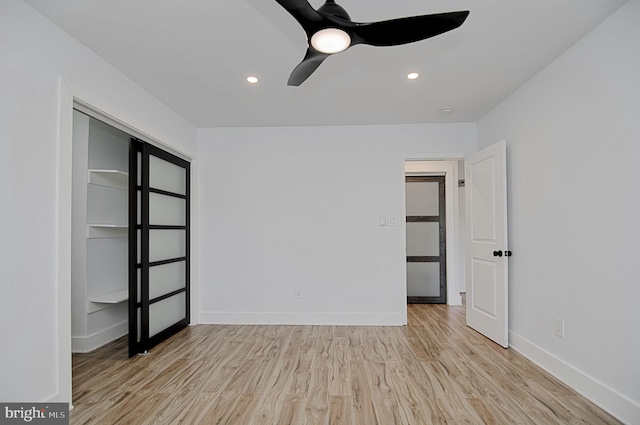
{"x":330,"y":30}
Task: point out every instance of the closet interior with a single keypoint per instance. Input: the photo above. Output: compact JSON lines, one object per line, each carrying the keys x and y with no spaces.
{"x":99,"y":284}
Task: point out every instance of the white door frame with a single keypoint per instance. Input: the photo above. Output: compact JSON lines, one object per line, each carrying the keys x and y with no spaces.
{"x":422,"y":166}
{"x":68,"y":98}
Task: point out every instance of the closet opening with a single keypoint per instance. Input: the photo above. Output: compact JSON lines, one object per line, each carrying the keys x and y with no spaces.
{"x":130,"y":238}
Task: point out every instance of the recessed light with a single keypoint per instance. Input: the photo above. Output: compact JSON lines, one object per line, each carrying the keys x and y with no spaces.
{"x":252,"y":80}
{"x":446,"y":110}
{"x":412,"y":75}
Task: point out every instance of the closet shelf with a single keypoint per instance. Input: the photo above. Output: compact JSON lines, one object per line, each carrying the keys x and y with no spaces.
{"x":111,"y":298}
{"x":100,"y":302}
{"x":110,"y":178}
{"x":107,"y":230}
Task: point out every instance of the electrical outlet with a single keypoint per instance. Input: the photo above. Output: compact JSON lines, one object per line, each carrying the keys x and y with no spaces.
{"x":298,"y":293}
{"x":559,"y":327}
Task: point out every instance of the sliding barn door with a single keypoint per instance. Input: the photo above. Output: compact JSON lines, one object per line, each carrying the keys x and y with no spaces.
{"x":158,"y":246}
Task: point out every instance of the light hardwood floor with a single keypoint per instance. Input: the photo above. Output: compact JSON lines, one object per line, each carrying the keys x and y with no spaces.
{"x":435,"y":370}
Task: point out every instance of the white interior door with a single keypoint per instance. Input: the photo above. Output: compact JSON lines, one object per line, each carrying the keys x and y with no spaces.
{"x":486,"y":244}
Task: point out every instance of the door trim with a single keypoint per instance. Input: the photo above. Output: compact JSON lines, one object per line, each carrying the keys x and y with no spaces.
{"x":424,"y":166}
{"x":71,"y":96}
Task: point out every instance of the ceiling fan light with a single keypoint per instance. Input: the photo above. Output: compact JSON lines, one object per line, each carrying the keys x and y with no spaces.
{"x":330,"y":40}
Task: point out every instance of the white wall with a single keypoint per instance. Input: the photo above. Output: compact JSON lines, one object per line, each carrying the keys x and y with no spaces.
{"x":573,"y":135}
{"x":282,"y":208}
{"x":34,"y":55}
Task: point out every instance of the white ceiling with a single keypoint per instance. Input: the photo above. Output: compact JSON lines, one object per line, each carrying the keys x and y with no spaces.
{"x":195,"y":55}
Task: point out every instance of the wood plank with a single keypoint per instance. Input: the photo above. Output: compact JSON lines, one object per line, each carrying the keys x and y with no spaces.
{"x":339,"y":373}
{"x":317,"y":401}
{"x":435,"y":370}
{"x":363,"y":412}
{"x":340,"y":411}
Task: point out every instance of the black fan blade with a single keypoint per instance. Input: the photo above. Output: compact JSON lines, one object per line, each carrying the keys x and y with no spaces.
{"x":406,"y":30}
{"x":310,"y":63}
{"x":302,"y":11}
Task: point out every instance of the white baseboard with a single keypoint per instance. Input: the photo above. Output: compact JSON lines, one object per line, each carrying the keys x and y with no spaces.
{"x":85,"y":344}
{"x":616,"y":404}
{"x":275,"y":318}
{"x":454,"y":299}
{"x":58,"y":398}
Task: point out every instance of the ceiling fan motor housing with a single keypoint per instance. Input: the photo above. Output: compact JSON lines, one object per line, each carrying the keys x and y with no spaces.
{"x":333,"y":9}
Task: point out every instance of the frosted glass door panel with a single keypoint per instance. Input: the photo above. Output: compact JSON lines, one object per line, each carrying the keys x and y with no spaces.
{"x":422,"y":198}
{"x":423,"y":279}
{"x":139,"y":219}
{"x":139,"y":172}
{"x":166,"y":176}
{"x":423,"y":239}
{"x":139,"y":314}
{"x":165,"y":313}
{"x":167,"y":210}
{"x":166,"y":244}
{"x":163,"y":235}
{"x":139,"y":284}
{"x":166,"y":278}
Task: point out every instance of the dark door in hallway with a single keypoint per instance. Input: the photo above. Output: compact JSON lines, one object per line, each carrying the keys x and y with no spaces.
{"x":426,"y":239}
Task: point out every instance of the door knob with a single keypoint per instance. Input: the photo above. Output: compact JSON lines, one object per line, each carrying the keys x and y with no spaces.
{"x":497,"y":253}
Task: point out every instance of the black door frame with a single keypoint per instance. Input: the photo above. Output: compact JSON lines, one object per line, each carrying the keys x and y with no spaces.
{"x":442,"y":258}
{"x":145,"y":342}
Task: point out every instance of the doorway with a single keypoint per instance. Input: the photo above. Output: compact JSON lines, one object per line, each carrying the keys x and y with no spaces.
{"x":130,"y":229}
{"x":426,"y":240}
{"x":124,"y":118}
{"x":453,"y":265}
